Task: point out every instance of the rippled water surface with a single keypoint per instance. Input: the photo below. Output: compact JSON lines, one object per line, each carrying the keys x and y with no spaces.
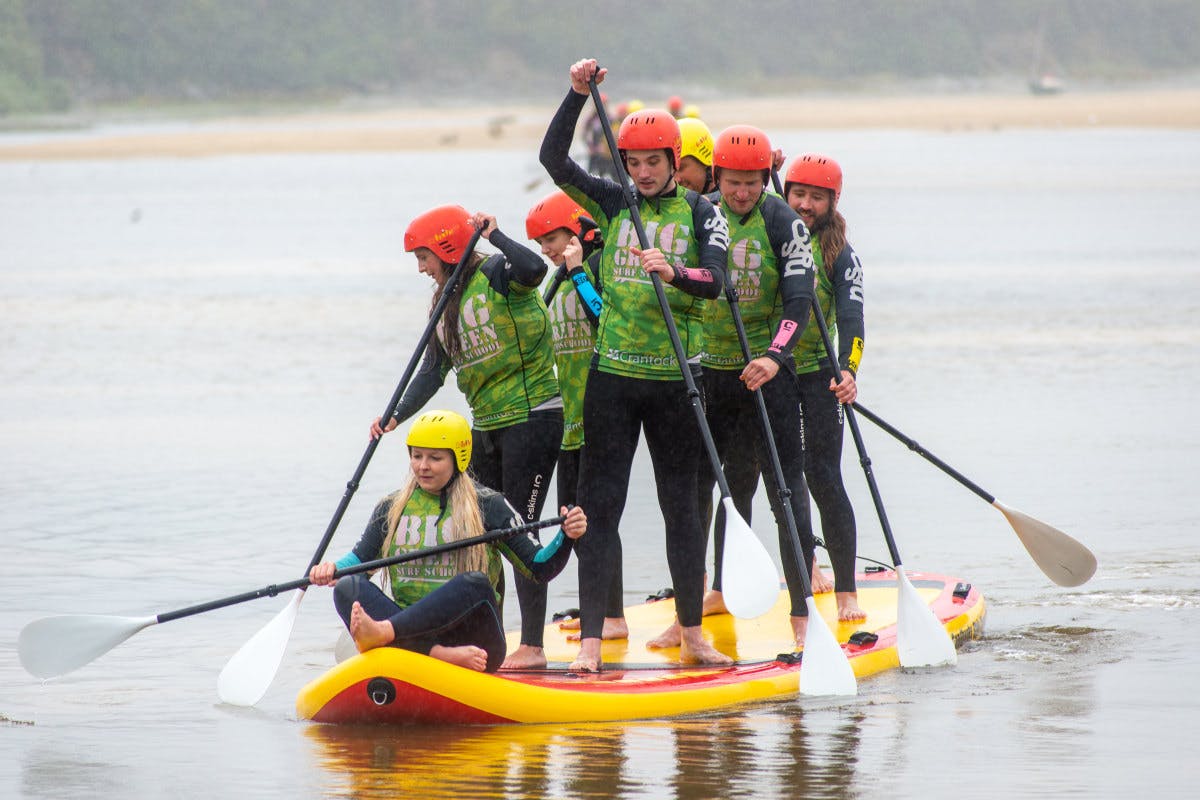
{"x":191,"y":350}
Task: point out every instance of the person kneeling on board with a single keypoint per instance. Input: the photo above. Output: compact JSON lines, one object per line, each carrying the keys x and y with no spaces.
{"x":446,"y":606}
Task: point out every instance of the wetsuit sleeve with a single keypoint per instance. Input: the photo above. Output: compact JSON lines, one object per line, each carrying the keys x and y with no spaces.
{"x":524,"y":269}
{"x":370,"y":545}
{"x":429,"y":378}
{"x":588,"y":290}
{"x":600,"y":197}
{"x":536,"y":562}
{"x":848,"y":294}
{"x":790,"y":240}
{"x":712,"y":235}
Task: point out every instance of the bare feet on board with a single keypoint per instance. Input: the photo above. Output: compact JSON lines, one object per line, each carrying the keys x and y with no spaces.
{"x":799,"y":630}
{"x":671,"y":637}
{"x":694,"y":649}
{"x":820,"y":581}
{"x":369,"y":633}
{"x":848,"y":608}
{"x":588,"y":659}
{"x":525,"y":657}
{"x":614,"y":628}
{"x":467,"y":655}
{"x":714,"y":602}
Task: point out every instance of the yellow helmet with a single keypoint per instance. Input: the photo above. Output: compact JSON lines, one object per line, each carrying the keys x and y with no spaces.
{"x":697,"y":140}
{"x":692,"y":110}
{"x":636,"y":105}
{"x":443,"y":430}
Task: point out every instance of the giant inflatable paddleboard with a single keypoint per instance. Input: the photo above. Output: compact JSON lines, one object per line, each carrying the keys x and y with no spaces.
{"x":388,"y":685}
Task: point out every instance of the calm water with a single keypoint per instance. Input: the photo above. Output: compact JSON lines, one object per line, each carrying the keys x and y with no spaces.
{"x":191,"y":350}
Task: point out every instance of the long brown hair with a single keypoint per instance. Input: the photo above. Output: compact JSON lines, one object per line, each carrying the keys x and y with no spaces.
{"x":830,"y":231}
{"x":449,"y":321}
{"x":466,"y":521}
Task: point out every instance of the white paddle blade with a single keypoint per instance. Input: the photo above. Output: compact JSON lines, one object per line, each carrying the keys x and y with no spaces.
{"x":247,"y":676}
{"x":920,"y":637}
{"x":824,"y":670}
{"x":749,"y":580}
{"x":54,"y":646}
{"x":344,"y":647}
{"x":1064,"y":560}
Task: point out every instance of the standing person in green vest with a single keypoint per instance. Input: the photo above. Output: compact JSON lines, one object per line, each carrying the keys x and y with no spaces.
{"x":496,"y":337}
{"x":770,"y":267}
{"x":635,"y":384}
{"x":812,"y":187}
{"x":570,"y":239}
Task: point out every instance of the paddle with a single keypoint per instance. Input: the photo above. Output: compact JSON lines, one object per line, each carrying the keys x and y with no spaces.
{"x":53,"y":646}
{"x":249,"y":672}
{"x":824,"y":669}
{"x":748,"y":576}
{"x":920,"y":638}
{"x":1063,"y":559}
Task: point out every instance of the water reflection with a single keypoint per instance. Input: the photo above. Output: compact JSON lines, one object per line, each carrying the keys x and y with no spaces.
{"x":507,"y":761}
{"x":777,"y":751}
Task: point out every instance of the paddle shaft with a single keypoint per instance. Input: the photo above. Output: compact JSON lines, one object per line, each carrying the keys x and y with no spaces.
{"x":852,"y":422}
{"x":916,"y":447}
{"x":434,"y":316}
{"x":366,"y":566}
{"x":630,"y":196}
{"x":784,"y":491}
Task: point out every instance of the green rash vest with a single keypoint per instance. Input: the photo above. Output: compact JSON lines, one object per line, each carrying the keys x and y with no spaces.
{"x":505,"y":366}
{"x":840,"y":294}
{"x":771,"y":267}
{"x":426,"y":523}
{"x":574,"y":343}
{"x":632,"y":339}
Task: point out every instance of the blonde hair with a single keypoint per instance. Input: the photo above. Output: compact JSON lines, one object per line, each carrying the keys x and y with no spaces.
{"x":465,"y":521}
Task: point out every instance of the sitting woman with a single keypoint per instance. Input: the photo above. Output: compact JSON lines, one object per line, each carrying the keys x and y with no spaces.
{"x":446,"y":606}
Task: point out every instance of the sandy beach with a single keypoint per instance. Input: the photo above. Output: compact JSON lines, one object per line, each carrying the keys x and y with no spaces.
{"x":519,"y":127}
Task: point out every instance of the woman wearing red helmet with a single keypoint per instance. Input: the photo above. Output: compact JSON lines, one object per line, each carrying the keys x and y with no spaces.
{"x":812,"y":187}
{"x":634,"y":384}
{"x":496,"y":337}
{"x":570,"y":239}
{"x":770,"y":267}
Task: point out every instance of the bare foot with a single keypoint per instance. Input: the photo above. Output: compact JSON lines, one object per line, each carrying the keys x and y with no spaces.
{"x":525,"y":657}
{"x":671,"y":637}
{"x":588,"y":659}
{"x":571,"y":624}
{"x":799,"y":631}
{"x":820,"y":583}
{"x":614,"y":628}
{"x":369,"y":633}
{"x":848,"y":608}
{"x":714,"y":602}
{"x":694,"y":649}
{"x":467,"y":655}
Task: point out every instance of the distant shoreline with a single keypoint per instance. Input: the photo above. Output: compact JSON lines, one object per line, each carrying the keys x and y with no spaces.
{"x":521,"y":126}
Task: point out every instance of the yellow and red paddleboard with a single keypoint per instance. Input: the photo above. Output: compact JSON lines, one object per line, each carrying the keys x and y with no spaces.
{"x":392,"y":686}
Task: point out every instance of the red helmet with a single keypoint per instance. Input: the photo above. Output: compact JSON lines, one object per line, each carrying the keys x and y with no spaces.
{"x":742,"y":147}
{"x":815,"y":169}
{"x":650,"y":129}
{"x":445,"y":230}
{"x":555,"y":210}
{"x":675,"y":103}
